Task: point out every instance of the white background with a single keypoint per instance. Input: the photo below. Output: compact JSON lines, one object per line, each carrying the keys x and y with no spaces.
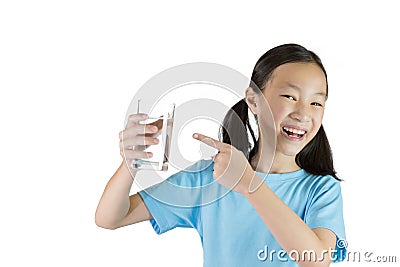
{"x":69,"y":69}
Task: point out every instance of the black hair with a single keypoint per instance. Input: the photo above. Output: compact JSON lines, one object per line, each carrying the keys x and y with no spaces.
{"x":316,"y":157}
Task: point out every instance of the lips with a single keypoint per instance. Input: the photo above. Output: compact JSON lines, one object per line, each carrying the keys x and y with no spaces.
{"x":293,"y":133}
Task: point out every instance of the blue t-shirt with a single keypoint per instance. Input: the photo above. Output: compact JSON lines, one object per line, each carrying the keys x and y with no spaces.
{"x":231,"y":231}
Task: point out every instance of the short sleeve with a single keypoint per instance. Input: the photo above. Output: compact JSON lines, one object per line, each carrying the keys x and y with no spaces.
{"x":326,"y":211}
{"x":166,"y":212}
{"x":176,"y":201}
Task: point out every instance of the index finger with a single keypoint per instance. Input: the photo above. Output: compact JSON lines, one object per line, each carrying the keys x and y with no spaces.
{"x":210,"y":141}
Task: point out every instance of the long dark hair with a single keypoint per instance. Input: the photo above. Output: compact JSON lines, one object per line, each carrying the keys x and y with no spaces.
{"x":316,"y":156}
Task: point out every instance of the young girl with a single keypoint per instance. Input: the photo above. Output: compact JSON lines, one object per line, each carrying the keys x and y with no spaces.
{"x":287,"y":211}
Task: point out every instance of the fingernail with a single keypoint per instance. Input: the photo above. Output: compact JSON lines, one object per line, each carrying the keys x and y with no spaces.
{"x":195,"y":135}
{"x":154,"y":128}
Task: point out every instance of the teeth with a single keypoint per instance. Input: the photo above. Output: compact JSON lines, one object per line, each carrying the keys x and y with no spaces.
{"x":296,"y":131}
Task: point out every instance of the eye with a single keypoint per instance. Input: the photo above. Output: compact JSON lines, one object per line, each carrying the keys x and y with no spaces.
{"x":289,"y":97}
{"x":316,"y":104}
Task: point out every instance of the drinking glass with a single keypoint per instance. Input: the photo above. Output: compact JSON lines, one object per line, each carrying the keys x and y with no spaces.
{"x":161,"y":151}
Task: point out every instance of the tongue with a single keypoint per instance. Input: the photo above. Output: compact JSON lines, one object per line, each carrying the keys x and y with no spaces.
{"x":294,"y":134}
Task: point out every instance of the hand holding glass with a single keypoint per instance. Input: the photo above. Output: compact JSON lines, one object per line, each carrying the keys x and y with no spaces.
{"x":160,"y":151}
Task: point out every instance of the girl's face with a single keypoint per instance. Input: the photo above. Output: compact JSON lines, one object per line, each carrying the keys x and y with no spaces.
{"x":296,"y":94}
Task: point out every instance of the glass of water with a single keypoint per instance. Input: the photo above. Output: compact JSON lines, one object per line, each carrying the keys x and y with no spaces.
{"x":161,"y":151}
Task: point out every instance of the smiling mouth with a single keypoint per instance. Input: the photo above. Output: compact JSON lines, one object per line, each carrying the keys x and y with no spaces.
{"x":294,"y":133}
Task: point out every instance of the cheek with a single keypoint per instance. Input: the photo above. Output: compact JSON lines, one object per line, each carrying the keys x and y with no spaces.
{"x":279,"y":112}
{"x":268,"y":116}
{"x":317,"y":121}
{"x":319,"y":117}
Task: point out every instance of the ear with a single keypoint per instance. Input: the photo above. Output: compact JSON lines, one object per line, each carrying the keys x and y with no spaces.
{"x":251,"y":100}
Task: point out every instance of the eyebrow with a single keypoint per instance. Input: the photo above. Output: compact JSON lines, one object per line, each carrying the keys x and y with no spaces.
{"x":297,"y":88}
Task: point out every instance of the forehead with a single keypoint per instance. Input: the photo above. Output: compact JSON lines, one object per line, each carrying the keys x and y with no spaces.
{"x":307,"y":76}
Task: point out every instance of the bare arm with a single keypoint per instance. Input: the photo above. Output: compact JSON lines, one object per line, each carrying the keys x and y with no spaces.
{"x":116,"y":208}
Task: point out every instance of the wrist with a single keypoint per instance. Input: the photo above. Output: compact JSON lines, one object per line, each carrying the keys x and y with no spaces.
{"x":249,"y":178}
{"x":128,"y":171}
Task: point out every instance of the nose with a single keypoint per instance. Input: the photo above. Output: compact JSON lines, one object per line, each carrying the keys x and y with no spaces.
{"x":301,"y":113}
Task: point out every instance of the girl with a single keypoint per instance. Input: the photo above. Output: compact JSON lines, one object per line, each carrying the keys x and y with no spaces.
{"x":293,"y":216}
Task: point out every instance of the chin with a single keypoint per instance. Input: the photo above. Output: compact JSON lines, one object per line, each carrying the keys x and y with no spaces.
{"x":289,"y":151}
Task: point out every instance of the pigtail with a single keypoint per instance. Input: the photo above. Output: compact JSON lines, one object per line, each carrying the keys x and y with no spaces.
{"x":316,"y":156}
{"x":236,"y":129}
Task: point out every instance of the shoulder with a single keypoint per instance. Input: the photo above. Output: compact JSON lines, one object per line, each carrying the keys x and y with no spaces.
{"x":322,"y":185}
{"x":320,"y":180}
{"x":201,"y":166}
{"x":184,"y":188}
{"x":198,"y":174}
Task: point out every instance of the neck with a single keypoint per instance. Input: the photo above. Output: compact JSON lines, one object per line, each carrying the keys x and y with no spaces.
{"x":281,"y":163}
